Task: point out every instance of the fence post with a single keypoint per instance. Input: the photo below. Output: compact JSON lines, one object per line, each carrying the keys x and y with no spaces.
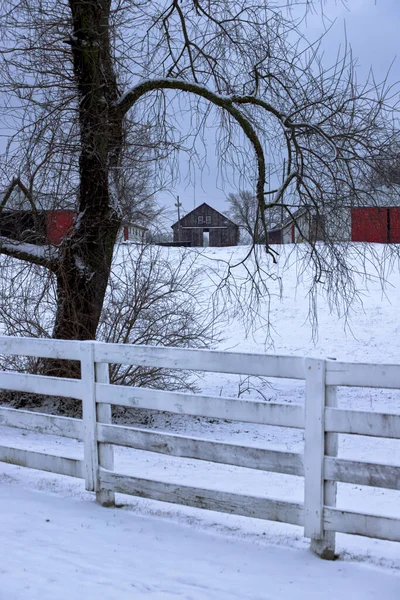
{"x":105,"y":451}
{"x":314,"y":450}
{"x":90,"y":450}
{"x":325,"y":547}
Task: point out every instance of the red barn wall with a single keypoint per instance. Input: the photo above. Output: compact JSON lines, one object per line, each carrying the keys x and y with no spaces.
{"x":369,"y":224}
{"x":394,"y":225}
{"x":379,"y":225}
{"x":59,"y":224}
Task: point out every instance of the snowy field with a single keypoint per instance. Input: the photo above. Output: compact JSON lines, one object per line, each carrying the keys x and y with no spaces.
{"x":58,"y":544}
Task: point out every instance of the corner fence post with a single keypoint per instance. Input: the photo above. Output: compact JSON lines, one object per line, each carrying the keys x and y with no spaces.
{"x":325,"y":547}
{"x":105,"y":451}
{"x":90,"y":451}
{"x":322,"y":542}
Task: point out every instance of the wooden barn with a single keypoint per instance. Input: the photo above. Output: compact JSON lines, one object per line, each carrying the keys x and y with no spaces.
{"x":205,"y":226}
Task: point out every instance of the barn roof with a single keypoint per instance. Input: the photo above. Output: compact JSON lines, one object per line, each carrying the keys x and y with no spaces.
{"x":42,"y":201}
{"x":290,"y":219}
{"x":210,"y":207}
{"x":127,"y":223}
{"x":381,"y":196}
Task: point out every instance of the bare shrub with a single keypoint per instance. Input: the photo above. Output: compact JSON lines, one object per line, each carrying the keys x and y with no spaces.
{"x":154,"y":297}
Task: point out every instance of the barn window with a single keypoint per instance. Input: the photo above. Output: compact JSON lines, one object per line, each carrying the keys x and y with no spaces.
{"x":208,"y":220}
{"x":200,"y":220}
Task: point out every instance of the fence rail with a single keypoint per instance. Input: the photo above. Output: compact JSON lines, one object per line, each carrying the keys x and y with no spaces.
{"x":320,"y":418}
{"x":248,"y":411}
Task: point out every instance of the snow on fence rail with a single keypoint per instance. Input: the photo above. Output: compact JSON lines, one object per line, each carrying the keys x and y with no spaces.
{"x":320,"y":418}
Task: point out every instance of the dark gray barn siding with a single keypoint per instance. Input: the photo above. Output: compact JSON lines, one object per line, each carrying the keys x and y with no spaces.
{"x":205,"y":219}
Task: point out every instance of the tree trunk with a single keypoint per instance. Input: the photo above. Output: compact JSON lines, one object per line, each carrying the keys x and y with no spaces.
{"x":81,"y":287}
{"x":85,"y":262}
{"x":86,"y":259}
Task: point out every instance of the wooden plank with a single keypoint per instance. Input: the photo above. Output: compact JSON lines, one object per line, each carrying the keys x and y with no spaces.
{"x":45,"y":348}
{"x":39,"y":384}
{"x":41,"y":461}
{"x":362,"y":423}
{"x":325,"y":546}
{"x":41,"y":423}
{"x":363,"y":375}
{"x":314,"y":448}
{"x":291,"y":367}
{"x":105,"y":451}
{"x":90,"y":454}
{"x":362,"y":473}
{"x":346,"y":521}
{"x":266,"y":413}
{"x":289,"y":463}
{"x":227,"y":502}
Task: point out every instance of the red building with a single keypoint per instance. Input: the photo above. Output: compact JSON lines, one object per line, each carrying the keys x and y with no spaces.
{"x":47,"y":224}
{"x":39,"y":227}
{"x":59,"y":224}
{"x":374,"y":218}
{"x":52,"y":226}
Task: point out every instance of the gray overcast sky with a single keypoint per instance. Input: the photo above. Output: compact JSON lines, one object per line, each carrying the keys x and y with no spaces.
{"x":372,"y":29}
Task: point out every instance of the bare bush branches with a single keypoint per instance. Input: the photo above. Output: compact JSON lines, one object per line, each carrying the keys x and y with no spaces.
{"x":153,"y":298}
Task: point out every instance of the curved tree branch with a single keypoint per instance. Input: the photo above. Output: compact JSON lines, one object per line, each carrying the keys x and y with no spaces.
{"x":128,"y":100}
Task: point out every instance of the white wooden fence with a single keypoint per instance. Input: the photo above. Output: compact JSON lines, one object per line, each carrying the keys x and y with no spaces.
{"x":320,"y":418}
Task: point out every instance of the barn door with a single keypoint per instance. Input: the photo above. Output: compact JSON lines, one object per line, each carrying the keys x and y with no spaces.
{"x":214,"y":240}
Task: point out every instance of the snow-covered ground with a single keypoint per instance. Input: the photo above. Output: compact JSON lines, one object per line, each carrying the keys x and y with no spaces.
{"x":61,"y":548}
{"x":168,"y":551}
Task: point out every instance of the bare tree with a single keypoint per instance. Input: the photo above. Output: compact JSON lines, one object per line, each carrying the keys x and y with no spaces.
{"x":244,"y":211}
{"x":74,"y":74}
